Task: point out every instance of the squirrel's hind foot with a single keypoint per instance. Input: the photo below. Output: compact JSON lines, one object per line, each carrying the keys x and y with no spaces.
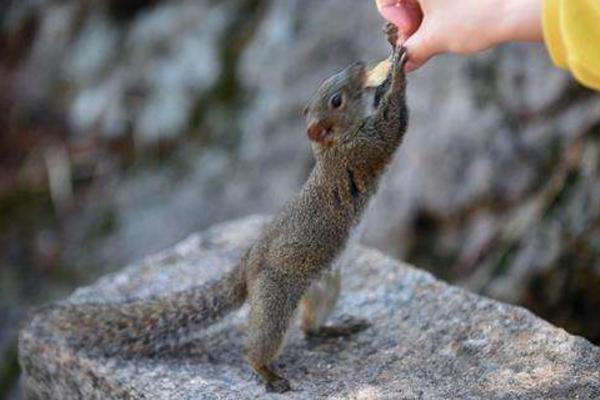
{"x":273,"y":382}
{"x":280,"y":385}
{"x":347,"y":327}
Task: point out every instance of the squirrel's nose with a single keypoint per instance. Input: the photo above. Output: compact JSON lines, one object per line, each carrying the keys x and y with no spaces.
{"x":314,"y":131}
{"x":318,"y":132}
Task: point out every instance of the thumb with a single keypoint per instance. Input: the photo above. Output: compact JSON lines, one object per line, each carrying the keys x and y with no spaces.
{"x":421,"y":46}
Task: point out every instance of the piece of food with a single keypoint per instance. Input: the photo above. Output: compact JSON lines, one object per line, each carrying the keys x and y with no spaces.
{"x":377,"y":74}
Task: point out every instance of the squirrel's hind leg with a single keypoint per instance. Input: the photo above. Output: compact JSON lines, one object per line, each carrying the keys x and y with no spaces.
{"x":319,"y":300}
{"x":273,"y":302}
{"x":317,"y":304}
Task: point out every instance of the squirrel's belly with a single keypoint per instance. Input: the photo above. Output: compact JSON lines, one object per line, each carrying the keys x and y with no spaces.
{"x":309,"y":246}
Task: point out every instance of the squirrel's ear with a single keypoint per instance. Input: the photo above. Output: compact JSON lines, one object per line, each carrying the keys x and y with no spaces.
{"x":305,"y":110}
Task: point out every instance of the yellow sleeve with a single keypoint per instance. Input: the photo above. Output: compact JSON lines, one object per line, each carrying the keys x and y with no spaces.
{"x":572,"y":36}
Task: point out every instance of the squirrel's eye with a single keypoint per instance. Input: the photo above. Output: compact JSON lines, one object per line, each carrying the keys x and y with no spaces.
{"x":336,"y":100}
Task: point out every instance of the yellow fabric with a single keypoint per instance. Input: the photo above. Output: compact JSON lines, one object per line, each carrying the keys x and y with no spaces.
{"x":572,"y":35}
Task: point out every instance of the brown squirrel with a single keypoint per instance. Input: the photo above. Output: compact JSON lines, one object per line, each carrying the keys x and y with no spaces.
{"x":354,"y":132}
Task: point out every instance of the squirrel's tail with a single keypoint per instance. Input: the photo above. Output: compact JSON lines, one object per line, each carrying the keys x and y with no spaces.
{"x":148,"y":325}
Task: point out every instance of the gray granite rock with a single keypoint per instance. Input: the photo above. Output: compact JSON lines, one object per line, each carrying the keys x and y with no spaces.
{"x":499,"y":136}
{"x":429,"y":340}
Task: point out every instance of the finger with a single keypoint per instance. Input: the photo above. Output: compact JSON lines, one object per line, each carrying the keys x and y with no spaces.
{"x":405,"y":14}
{"x":421,"y":46}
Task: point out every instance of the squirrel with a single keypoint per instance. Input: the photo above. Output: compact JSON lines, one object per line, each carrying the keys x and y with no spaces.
{"x":354,"y":131}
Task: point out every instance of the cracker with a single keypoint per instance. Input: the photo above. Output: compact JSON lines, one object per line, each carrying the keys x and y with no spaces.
{"x":377,"y":74}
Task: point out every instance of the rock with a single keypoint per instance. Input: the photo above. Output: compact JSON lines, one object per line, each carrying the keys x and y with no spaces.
{"x":510,"y":137}
{"x":429,"y":340}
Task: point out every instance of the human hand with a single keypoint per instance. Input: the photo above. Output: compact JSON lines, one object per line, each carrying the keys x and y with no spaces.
{"x":430,"y":27}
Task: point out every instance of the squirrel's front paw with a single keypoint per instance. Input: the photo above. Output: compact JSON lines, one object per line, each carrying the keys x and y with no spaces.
{"x":391,"y":32}
{"x":399,"y":58}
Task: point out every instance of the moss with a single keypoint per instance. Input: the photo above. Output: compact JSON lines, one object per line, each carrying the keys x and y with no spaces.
{"x":125,"y":10}
{"x":228,"y":93}
{"x":9,"y":370}
{"x":567,"y":293}
{"x":424,"y":249}
{"x":506,"y":256}
{"x":24,"y":206}
{"x":482,"y":73}
{"x":105,"y":224}
{"x":557,"y":207}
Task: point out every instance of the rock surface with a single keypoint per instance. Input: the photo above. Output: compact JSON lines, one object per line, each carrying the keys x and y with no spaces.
{"x":429,"y":340}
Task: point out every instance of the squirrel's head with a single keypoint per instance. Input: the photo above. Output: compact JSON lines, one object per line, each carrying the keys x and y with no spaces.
{"x":338,"y":107}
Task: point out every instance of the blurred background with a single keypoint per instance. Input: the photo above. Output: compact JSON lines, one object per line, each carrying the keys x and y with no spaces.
{"x":125,"y":125}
